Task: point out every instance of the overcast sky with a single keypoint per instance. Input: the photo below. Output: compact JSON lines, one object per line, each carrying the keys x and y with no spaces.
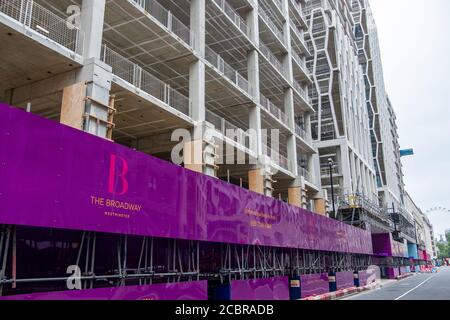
{"x":415,"y":48}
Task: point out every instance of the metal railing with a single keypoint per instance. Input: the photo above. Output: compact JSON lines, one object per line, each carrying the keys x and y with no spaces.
{"x":303,"y":93}
{"x":135,"y":75}
{"x":274,"y":110}
{"x":167,"y":19}
{"x":305,"y":173}
{"x":277,"y":32}
{"x":227,"y":129}
{"x":224,"y":68}
{"x":362,"y":201}
{"x":300,"y":62}
{"x":233,"y":15}
{"x":298,"y":33}
{"x":43,"y":21}
{"x":280,"y":4}
{"x":277,"y":158}
{"x":272,"y":59}
{"x":303,"y":134}
{"x":299,"y":8}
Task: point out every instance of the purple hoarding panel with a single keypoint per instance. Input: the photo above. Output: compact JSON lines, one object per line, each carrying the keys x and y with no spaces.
{"x":260,"y":289}
{"x":366,"y":277}
{"x":393,"y":272}
{"x":196,"y":290}
{"x":314,"y":284}
{"x":382,"y":244}
{"x":59,"y":177}
{"x":344,"y":280}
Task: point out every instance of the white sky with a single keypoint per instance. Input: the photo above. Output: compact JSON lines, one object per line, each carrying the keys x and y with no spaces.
{"x":415,"y":47}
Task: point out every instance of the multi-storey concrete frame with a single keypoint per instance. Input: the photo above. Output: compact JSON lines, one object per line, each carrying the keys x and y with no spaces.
{"x":383,"y":129}
{"x":340,"y":125}
{"x":140,"y":69}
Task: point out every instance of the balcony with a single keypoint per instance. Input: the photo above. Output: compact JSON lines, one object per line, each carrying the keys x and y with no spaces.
{"x":302,"y":92}
{"x":227,"y":71}
{"x":300,"y":132}
{"x":298,"y":13}
{"x":134,"y":75}
{"x":300,"y":67}
{"x":44,"y":23}
{"x":273,"y":110}
{"x":231,"y":13}
{"x":277,"y":158}
{"x":273,"y":61}
{"x":228,"y":130}
{"x":167,"y":19}
{"x":306,"y":174}
{"x":278,"y":34}
{"x":299,"y":38}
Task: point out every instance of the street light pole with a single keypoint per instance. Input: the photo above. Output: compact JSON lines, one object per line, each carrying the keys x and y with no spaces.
{"x":331,"y":164}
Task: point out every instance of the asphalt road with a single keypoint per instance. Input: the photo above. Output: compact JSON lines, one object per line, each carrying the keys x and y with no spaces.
{"x":430,"y":286}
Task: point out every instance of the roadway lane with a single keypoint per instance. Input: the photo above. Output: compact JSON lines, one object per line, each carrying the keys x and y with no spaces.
{"x":428,"y":286}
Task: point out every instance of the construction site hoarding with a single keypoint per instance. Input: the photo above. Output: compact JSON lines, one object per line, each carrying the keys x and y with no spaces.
{"x":260,"y":289}
{"x":58,"y":177}
{"x":193,"y":290}
{"x":314,"y":284}
{"x":344,"y":280}
{"x":384,"y":245}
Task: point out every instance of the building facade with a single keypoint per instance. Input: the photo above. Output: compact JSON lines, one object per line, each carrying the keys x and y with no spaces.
{"x":274,"y":113}
{"x":237,"y":68}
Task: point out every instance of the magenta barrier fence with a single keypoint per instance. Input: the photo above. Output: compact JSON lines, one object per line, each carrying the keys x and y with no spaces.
{"x":195,"y":290}
{"x":403,"y":270}
{"x":384,"y":245}
{"x":314,"y":284}
{"x":366,"y":277}
{"x":260,"y":289}
{"x":59,"y":177}
{"x":393,"y":272}
{"x":344,"y":280}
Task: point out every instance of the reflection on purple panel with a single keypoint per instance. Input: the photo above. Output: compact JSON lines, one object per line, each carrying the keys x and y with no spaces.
{"x":344,"y":280}
{"x":366,"y":275}
{"x":196,"y":290}
{"x":260,"y":289}
{"x":393,"y":272}
{"x":314,"y":284}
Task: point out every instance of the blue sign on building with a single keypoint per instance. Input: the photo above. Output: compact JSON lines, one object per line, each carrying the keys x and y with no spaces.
{"x":406,"y":152}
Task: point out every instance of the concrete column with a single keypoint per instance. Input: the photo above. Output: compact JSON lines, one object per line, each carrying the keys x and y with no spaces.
{"x":197,"y":68}
{"x":97,"y":109}
{"x":291,"y":141}
{"x":320,"y":206}
{"x":198,"y":21}
{"x":260,"y":181}
{"x":200,"y":153}
{"x":253,"y":79}
{"x":253,"y":24}
{"x":345,"y":167}
{"x":287,"y":59}
{"x":202,"y":149}
{"x":92,"y":21}
{"x":197,"y":91}
{"x":297,"y":193}
{"x":87,"y":104}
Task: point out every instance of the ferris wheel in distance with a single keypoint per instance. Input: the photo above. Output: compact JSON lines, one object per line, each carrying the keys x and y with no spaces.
{"x":437,"y":209}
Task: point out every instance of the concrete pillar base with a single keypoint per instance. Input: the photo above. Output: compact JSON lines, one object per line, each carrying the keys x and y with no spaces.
{"x":260,"y":181}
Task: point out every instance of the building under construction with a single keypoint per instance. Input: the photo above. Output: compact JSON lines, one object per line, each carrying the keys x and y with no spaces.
{"x":264,"y":101}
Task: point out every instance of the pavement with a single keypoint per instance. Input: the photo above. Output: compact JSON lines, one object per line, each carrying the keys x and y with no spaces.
{"x":422,"y":286}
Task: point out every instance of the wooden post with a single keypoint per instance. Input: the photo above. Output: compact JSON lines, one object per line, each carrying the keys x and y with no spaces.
{"x":73,"y":105}
{"x":256,"y":181}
